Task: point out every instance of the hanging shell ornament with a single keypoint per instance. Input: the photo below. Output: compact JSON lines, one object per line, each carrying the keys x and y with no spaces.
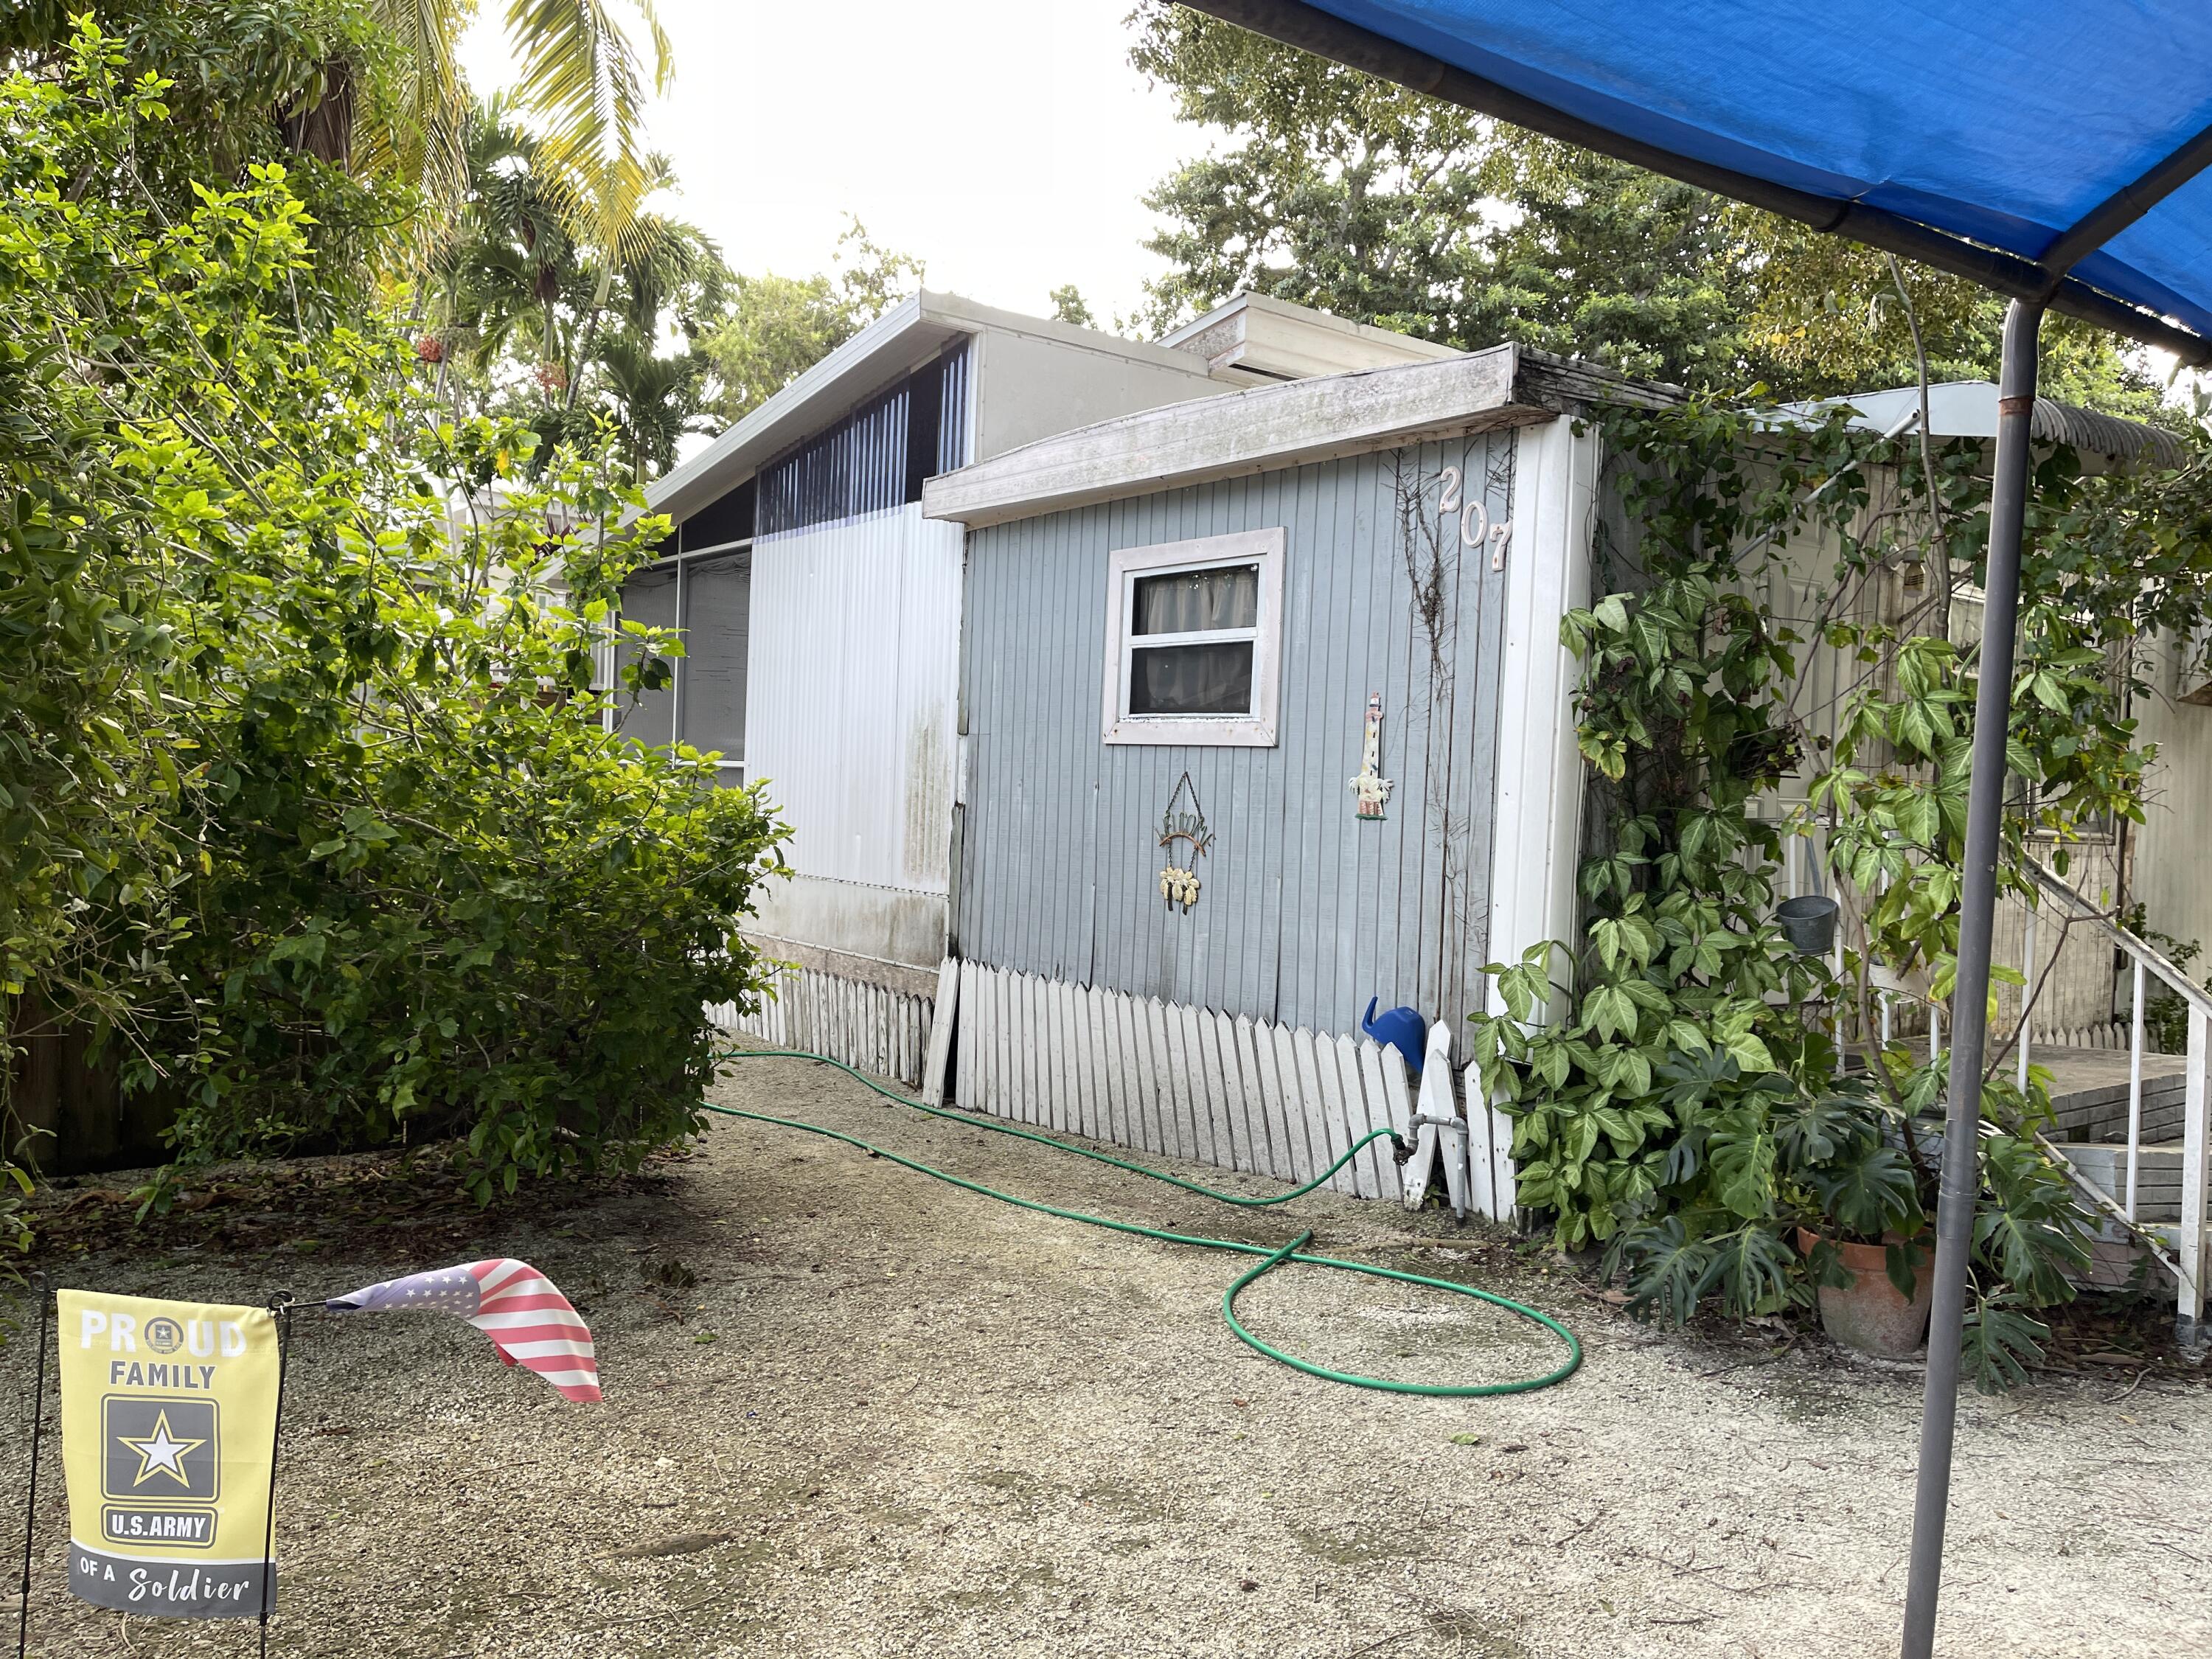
{"x":1179,"y":886}
{"x":1184,"y":825}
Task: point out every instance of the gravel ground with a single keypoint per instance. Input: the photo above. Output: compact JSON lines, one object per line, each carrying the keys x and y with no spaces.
{"x":890,"y":1417}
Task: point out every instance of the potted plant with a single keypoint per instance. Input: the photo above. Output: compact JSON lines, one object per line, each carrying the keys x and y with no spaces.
{"x":1860,"y":1216}
{"x":1804,"y":1184}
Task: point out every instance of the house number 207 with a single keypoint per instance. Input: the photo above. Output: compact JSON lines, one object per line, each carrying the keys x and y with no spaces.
{"x":1475,"y":525}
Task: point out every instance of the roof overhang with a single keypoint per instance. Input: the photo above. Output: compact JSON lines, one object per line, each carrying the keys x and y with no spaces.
{"x":889,"y":348}
{"x":1968,"y":409}
{"x":1250,"y":339}
{"x":1240,"y":433}
{"x":892,"y":347}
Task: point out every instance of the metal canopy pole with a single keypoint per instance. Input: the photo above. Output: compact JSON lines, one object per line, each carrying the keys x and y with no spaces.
{"x":1986,"y":790}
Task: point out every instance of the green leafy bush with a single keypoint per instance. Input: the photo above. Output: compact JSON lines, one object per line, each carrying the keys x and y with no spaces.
{"x":437,"y":898}
{"x":1687,"y":1090}
{"x":324,"y":829}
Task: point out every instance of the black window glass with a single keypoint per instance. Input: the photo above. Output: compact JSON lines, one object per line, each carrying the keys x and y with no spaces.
{"x":1191,"y":679}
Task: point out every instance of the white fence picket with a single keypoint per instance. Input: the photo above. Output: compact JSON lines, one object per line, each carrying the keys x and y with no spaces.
{"x":1504,"y":1187}
{"x":1138,"y":1023}
{"x":1083,"y":1115}
{"x":1246,"y":1147}
{"x":1285,"y":1106}
{"x":1104,"y":1069}
{"x":1052,"y":1091}
{"x":1205,"y":1148}
{"x":1324,"y":1128}
{"x":1136,"y":1059}
{"x":1365,"y":1180}
{"x":1381,"y":1112}
{"x":1267,"y":1155}
{"x":1229,"y":1152}
{"x":1481,"y":1156}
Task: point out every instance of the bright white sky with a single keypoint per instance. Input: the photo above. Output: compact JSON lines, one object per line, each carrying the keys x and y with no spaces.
{"x":1005,"y":143}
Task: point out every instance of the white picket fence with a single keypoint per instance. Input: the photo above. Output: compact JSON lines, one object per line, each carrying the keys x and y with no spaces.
{"x":1237,"y":1093}
{"x":879,"y":1030}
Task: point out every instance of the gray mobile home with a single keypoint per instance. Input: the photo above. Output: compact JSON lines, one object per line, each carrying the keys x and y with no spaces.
{"x":821,"y":615}
{"x":1263,"y":716}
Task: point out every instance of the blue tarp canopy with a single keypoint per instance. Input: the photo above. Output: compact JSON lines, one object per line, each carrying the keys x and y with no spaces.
{"x":1995,"y":141}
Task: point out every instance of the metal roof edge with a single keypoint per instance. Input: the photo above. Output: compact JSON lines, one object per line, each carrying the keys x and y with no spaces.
{"x":724,"y":464}
{"x":1968,"y":409}
{"x":879,"y":354}
{"x":1259,"y":429}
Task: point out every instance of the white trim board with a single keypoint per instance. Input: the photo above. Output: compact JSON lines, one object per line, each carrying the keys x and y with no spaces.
{"x":1538,"y":834}
{"x":1264,"y":429}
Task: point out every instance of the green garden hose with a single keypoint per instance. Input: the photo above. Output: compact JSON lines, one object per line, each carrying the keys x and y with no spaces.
{"x":1272,"y":1258}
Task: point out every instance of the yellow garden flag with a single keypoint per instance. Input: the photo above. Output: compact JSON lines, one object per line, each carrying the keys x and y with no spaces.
{"x":168,"y":1420}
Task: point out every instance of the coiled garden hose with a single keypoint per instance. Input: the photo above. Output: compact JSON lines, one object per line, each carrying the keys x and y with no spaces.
{"x":1272,"y":1258}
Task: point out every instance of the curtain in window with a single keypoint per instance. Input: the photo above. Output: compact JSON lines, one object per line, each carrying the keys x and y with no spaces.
{"x":1198,"y":601}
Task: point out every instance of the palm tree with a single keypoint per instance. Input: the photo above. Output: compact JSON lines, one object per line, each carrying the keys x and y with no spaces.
{"x":496,"y":287}
{"x":581,"y":85}
{"x":514,"y":290}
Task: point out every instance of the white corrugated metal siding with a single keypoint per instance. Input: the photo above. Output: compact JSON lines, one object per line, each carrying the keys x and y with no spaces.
{"x":854,"y":694}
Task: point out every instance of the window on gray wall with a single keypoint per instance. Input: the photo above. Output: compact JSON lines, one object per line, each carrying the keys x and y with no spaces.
{"x":1194,"y":636}
{"x":649,"y":597}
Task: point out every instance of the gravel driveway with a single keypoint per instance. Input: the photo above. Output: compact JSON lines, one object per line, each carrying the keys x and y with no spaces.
{"x":890,"y":1417}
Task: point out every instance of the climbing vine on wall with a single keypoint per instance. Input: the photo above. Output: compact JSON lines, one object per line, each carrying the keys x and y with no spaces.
{"x":1688,"y":1089}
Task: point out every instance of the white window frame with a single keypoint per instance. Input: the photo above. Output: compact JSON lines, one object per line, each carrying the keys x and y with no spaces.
{"x":1254,"y":730}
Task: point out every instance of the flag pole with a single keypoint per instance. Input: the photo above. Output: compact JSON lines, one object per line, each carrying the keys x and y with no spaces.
{"x":31,"y":1502}
{"x":280,"y":1306}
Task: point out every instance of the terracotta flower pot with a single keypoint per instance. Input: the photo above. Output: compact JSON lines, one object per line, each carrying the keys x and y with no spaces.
{"x":1871,"y":1317}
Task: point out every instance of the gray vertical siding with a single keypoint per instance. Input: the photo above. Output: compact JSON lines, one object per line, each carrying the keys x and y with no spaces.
{"x":1305,"y":912}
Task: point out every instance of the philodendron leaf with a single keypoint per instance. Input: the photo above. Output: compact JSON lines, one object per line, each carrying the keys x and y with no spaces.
{"x":1870,"y":1194}
{"x":1750,"y":1268}
{"x":1743,"y":1169}
{"x":1668,"y":1270}
{"x":1997,"y":1344}
{"x":1901,"y":1262}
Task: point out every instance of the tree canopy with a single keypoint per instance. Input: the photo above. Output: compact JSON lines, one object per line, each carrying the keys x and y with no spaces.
{"x":777,"y":327}
{"x":1331,"y":188}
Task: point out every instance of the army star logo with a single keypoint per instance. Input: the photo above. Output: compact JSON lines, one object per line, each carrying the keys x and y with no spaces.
{"x":161,"y":1453}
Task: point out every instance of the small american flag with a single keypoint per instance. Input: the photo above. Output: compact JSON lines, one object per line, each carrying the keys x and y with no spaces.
{"x":529,"y":1321}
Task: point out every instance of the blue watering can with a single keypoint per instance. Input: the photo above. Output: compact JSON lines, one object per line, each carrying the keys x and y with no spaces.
{"x":1402,"y":1029}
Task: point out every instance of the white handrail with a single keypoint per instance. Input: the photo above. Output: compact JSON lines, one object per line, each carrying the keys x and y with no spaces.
{"x":2105,"y":1201}
{"x":2143,"y":951}
{"x":2188,"y":1262}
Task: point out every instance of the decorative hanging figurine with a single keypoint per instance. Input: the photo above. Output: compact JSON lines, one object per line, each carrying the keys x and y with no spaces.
{"x":1370,"y":790}
{"x":1179,"y":881}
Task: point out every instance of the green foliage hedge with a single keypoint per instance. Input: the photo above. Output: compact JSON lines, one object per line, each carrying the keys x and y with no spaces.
{"x":311,"y":804}
{"x":1687,"y":1089}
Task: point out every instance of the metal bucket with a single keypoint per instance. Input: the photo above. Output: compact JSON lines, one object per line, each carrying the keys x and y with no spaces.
{"x":1809,"y":922}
